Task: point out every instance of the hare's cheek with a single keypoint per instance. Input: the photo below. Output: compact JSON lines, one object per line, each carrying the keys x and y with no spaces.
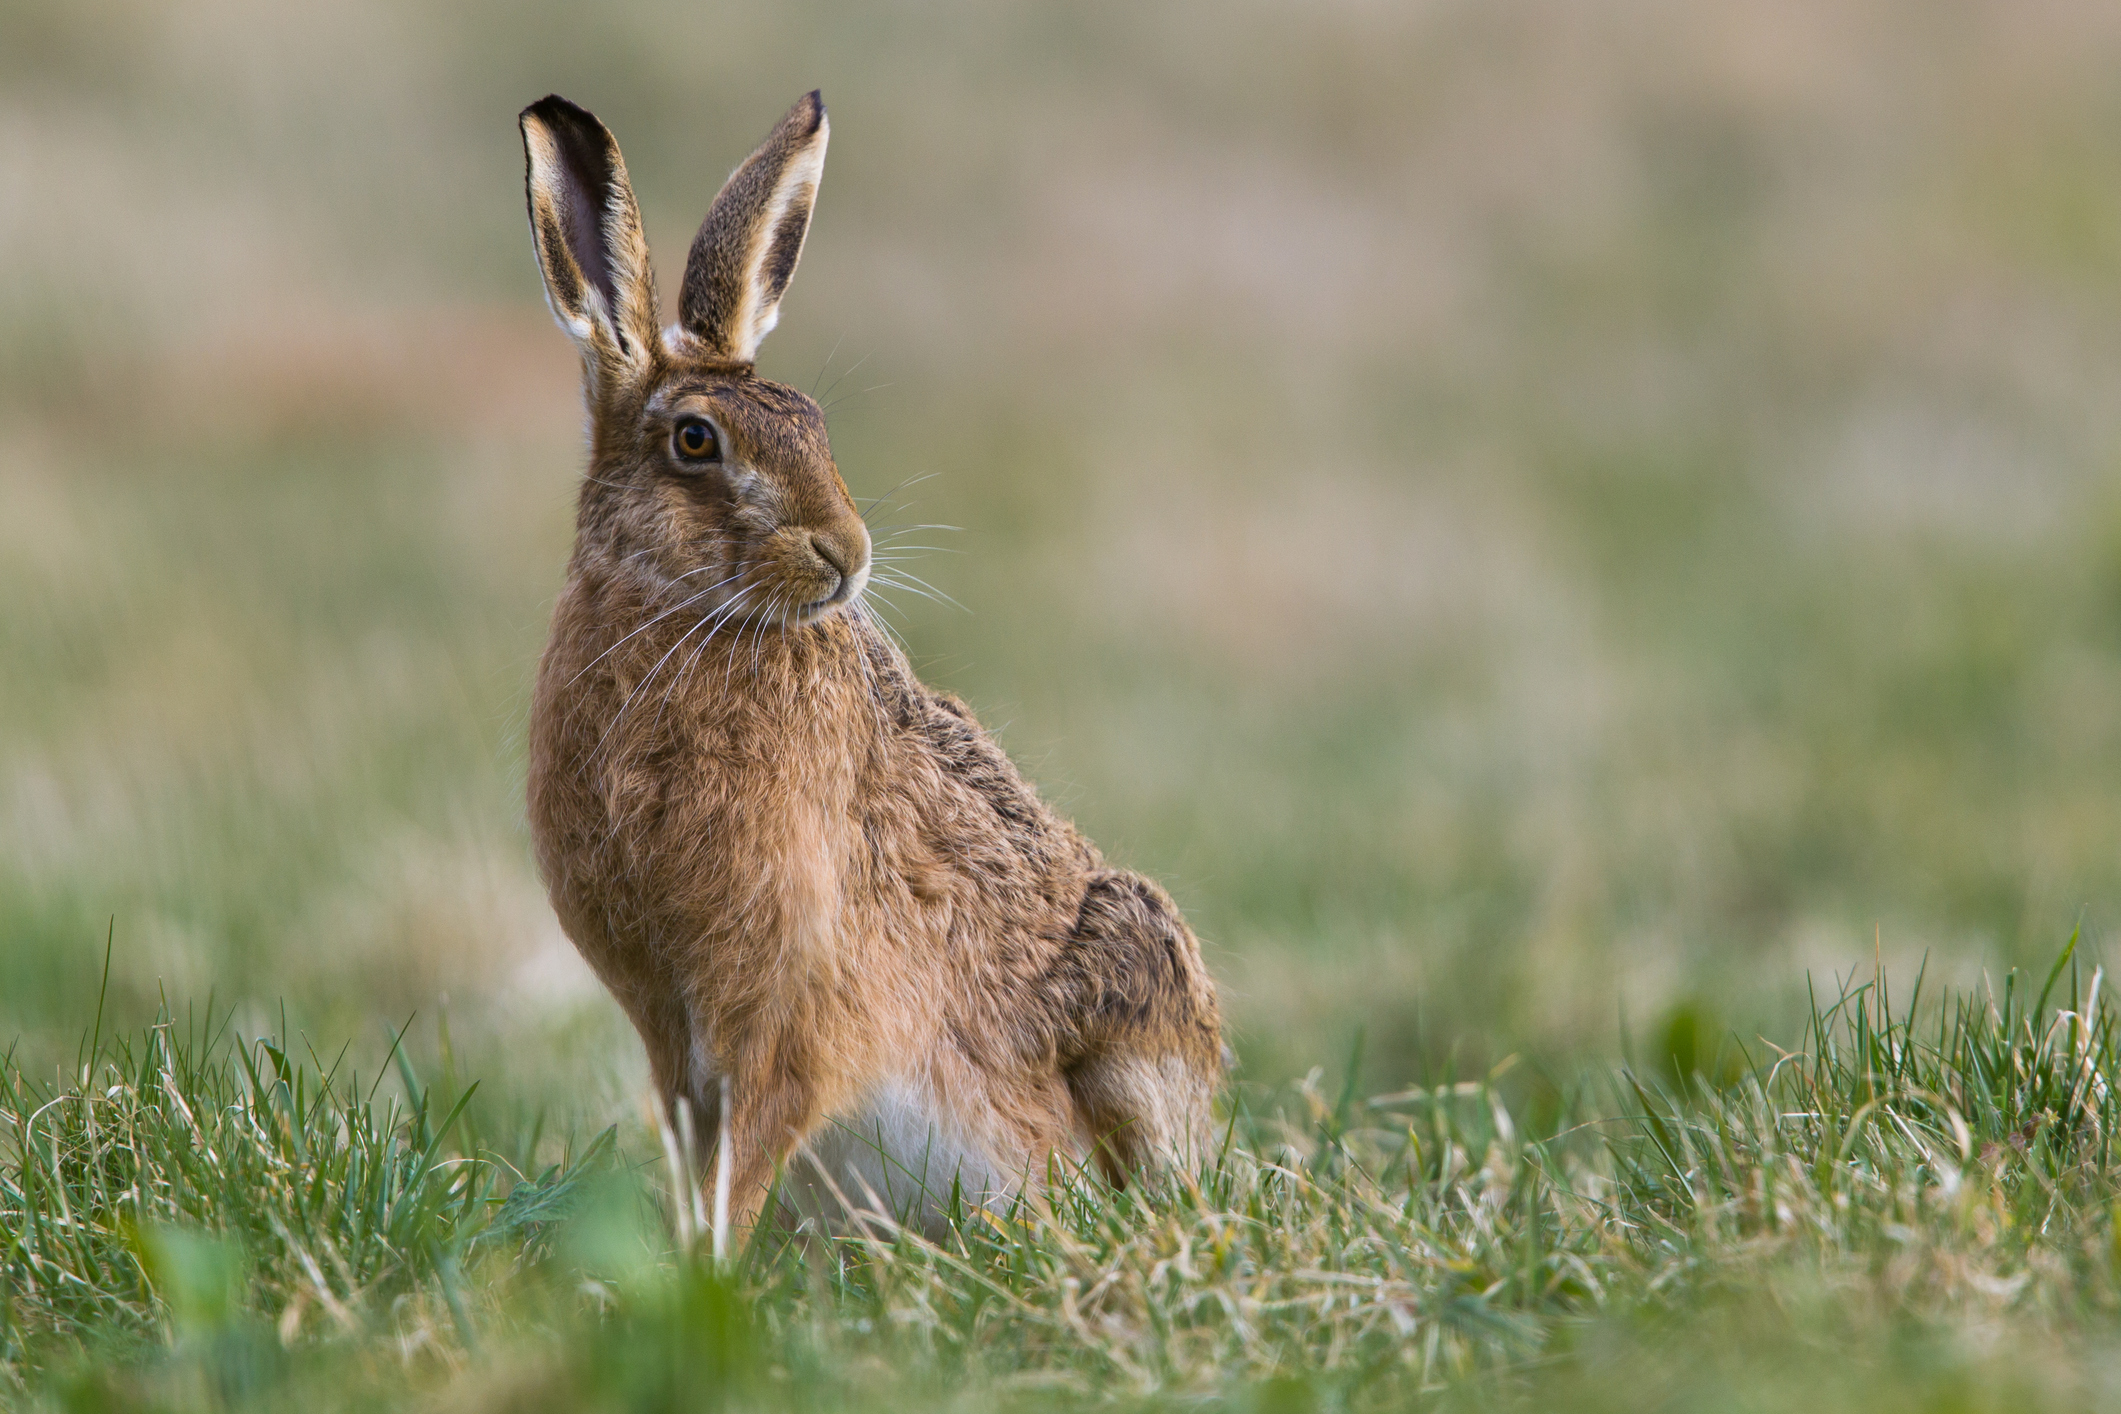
{"x":703,"y":523}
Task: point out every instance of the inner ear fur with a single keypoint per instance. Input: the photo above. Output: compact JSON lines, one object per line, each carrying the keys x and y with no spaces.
{"x":588,"y":234}
{"x":748,"y":246}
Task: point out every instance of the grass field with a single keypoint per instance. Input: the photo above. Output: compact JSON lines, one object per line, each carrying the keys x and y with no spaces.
{"x":1917,"y":1209}
{"x":1573,"y":540}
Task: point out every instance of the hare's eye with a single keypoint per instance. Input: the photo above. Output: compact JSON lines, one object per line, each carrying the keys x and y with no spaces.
{"x":695,"y":440}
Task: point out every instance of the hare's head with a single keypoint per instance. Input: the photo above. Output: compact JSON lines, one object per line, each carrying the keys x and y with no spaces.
{"x":707,"y":484}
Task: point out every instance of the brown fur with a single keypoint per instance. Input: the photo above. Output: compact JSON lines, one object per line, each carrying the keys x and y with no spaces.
{"x":791,"y":863}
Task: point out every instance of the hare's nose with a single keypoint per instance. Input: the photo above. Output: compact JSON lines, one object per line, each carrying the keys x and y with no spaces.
{"x":831,"y":555}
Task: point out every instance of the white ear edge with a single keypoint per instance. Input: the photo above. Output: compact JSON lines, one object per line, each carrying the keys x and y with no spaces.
{"x":631,"y":278}
{"x":758,"y":312}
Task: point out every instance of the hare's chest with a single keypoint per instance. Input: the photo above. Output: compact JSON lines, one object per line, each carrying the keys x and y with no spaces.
{"x":719,"y":844}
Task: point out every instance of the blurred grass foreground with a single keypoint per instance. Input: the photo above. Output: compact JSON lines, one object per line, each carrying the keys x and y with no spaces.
{"x":1547,"y":526}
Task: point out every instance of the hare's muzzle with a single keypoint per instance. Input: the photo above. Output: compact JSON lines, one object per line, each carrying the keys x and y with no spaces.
{"x":841,"y":562}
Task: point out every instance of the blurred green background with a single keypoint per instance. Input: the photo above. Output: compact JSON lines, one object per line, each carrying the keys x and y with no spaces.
{"x":1541,"y":523}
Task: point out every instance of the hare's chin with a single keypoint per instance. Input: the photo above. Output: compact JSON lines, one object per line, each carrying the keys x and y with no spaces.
{"x":850,"y":590}
{"x":821,"y":609}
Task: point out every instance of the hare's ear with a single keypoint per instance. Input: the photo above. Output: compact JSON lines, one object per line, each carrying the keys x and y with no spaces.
{"x":589,"y":238}
{"x":747,"y":247}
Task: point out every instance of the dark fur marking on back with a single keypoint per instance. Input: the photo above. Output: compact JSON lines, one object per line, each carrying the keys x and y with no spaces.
{"x":972,"y":758}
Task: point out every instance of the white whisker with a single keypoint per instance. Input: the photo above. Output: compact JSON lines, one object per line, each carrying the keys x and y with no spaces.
{"x":914,"y":584}
{"x":824,"y":402}
{"x":620,"y":715}
{"x":873,"y":502}
{"x":682,"y":604}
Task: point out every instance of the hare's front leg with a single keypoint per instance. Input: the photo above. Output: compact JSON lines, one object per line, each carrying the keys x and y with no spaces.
{"x":773,"y":1106}
{"x":689,"y":1086}
{"x":666,"y":1034}
{"x":1141,"y":1045}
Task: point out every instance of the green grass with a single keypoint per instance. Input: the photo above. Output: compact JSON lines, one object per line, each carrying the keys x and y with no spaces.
{"x":198,"y":1220}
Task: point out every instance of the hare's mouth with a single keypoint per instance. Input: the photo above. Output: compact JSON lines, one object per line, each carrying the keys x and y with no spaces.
{"x":849,"y":587}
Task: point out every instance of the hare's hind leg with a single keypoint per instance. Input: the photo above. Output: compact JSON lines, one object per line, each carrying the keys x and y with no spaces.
{"x":1142,"y":1036}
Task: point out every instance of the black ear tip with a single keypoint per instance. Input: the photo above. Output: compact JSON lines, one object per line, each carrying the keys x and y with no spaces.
{"x":810,"y":110}
{"x":554,"y":111}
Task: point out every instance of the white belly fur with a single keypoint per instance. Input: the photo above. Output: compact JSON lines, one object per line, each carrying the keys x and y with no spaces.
{"x":894,"y":1154}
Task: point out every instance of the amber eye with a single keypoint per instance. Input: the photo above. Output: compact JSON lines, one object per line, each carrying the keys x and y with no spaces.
{"x":696,"y":441}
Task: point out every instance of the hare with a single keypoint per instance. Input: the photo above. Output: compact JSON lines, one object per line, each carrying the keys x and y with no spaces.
{"x":797,"y":869}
